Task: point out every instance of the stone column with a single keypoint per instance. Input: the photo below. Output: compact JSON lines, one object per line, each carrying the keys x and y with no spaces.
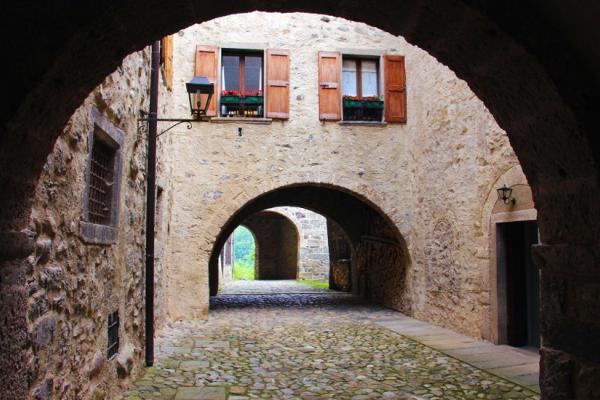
{"x":570,"y":321}
{"x":569,"y":262}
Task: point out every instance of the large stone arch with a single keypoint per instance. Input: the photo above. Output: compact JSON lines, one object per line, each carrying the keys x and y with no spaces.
{"x":535,"y":67}
{"x":277,"y":241}
{"x":371,"y":232}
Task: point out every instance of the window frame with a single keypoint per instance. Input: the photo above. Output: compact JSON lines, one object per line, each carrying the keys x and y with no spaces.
{"x":108,"y":134}
{"x":241,"y":53}
{"x":359,"y":58}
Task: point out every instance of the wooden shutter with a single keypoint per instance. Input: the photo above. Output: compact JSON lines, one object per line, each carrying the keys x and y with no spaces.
{"x":330,"y":90}
{"x":167,"y":59}
{"x":395,"y":88}
{"x":206,"y":65}
{"x":278,"y":84}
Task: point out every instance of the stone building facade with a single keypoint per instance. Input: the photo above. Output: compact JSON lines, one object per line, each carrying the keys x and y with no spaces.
{"x":429,"y":177}
{"x":547,"y":105}
{"x":433,"y":178}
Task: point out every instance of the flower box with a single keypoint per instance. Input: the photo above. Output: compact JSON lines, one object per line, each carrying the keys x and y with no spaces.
{"x":230,"y":99}
{"x":352,"y":103}
{"x":253,"y":99}
{"x":363,"y":103}
{"x":373,"y":104}
{"x":235,"y":99}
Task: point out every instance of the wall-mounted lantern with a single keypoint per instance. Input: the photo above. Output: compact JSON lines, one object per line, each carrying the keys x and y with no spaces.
{"x":200,"y":92}
{"x":505,"y":194}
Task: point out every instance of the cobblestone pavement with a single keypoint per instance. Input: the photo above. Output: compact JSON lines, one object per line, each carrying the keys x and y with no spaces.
{"x":306,"y":346}
{"x":270,"y":287}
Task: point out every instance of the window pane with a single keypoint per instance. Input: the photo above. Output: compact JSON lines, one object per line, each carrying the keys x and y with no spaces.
{"x":369,"y":78}
{"x":253,"y":73}
{"x":349,"y":78}
{"x":231,"y":73}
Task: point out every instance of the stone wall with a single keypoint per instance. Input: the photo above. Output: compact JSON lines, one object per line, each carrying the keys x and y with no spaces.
{"x":313,"y":260}
{"x":74,"y":285}
{"x":429,"y":177}
{"x":276,"y":243}
{"x":340,"y":257}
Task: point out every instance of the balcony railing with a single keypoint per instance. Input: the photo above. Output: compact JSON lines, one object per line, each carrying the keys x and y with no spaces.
{"x":363,"y":110}
{"x":242,"y":106}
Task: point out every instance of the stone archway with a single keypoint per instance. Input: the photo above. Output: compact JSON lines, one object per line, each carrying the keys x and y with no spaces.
{"x":381,"y":257}
{"x":547,"y":107}
{"x":277,"y":242}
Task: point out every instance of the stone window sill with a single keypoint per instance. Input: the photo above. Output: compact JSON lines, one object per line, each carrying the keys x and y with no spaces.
{"x":241,"y":120}
{"x":362,"y":123}
{"x":97,"y":234}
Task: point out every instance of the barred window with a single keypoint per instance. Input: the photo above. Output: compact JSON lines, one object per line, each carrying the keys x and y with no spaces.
{"x":101,"y":196}
{"x":101,"y":182}
{"x":113,"y":334}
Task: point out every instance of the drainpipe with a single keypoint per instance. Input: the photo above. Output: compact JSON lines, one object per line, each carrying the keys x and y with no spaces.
{"x":150,"y":202}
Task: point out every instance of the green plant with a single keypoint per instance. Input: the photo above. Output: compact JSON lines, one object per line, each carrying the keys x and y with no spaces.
{"x":317,"y":284}
{"x":244,"y":254}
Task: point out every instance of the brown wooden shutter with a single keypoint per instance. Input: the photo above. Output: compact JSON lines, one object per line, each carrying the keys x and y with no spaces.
{"x":278,"y":84}
{"x":330,"y":69}
{"x":167,"y":55}
{"x":395,"y":88}
{"x":206,"y":65}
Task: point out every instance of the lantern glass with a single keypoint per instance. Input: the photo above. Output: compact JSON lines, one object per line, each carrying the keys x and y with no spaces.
{"x":504,"y":193}
{"x":200,"y":92}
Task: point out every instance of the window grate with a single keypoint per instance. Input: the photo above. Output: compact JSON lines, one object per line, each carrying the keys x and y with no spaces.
{"x":113,"y":334}
{"x":101,"y":183}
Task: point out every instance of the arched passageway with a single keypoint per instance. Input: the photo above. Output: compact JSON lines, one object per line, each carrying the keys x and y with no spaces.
{"x":277,"y":242}
{"x":507,"y":53}
{"x":380,"y":258}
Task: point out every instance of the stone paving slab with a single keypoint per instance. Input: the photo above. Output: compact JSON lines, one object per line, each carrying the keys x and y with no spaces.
{"x":516,"y":365}
{"x":309,"y":347}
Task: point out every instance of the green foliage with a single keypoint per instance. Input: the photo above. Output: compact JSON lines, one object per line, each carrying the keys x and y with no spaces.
{"x":243,"y":271}
{"x":244,"y":254}
{"x":319,"y":284}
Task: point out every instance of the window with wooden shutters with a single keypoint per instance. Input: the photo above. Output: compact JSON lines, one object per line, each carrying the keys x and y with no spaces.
{"x":329,"y":86}
{"x":206,"y":65}
{"x":395,"y":88}
{"x":360,"y":89}
{"x":278,"y":84}
{"x":242,"y":83}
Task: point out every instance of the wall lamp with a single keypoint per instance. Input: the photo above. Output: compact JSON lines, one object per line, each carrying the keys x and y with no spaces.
{"x":505,"y":194}
{"x":200,"y":92}
{"x":198,"y":88}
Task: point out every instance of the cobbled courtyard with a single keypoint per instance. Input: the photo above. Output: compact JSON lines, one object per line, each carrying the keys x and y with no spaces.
{"x":306,"y":346}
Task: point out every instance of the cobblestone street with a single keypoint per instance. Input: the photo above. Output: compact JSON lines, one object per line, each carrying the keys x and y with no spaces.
{"x":306,"y":346}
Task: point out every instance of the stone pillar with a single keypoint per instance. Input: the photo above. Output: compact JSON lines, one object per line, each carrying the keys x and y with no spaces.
{"x":570,"y":321}
{"x":569,"y":263}
{"x":14,"y":248}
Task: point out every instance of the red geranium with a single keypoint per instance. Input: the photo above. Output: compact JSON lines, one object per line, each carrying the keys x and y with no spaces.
{"x":241,"y":94}
{"x":359,"y":98}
